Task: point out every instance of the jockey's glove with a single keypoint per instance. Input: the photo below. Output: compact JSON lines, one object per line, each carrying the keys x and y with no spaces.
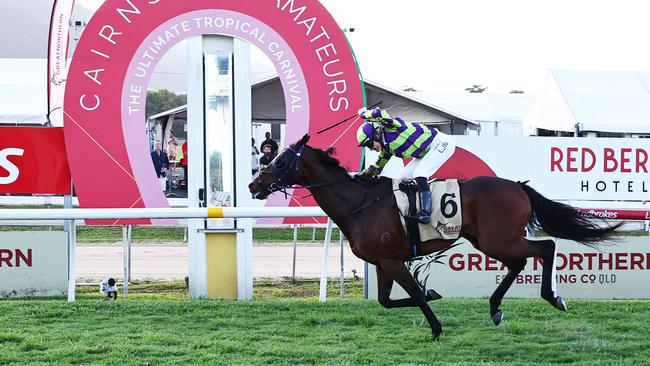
{"x":361,"y":112}
{"x":370,"y":171}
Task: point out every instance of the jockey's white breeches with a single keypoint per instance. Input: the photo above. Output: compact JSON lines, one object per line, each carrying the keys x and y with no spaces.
{"x":441,"y":149}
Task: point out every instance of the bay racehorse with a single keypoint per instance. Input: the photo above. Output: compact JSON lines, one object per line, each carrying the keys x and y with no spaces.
{"x":495,"y":213}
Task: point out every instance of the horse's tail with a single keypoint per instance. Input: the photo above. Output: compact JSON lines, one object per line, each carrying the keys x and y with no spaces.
{"x":563,"y":221}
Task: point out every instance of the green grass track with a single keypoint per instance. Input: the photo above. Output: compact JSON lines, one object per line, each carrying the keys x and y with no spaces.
{"x":149,"y":328}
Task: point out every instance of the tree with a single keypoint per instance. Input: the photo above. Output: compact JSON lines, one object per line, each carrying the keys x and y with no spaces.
{"x":162,"y":100}
{"x":476,"y":88}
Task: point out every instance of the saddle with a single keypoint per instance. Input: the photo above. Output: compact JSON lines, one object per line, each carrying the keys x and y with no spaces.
{"x":446,"y":215}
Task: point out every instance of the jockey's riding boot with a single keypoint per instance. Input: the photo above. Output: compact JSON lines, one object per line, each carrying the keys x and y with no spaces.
{"x":424,"y":216}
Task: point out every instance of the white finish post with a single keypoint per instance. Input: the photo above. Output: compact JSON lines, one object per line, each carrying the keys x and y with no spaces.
{"x":196,"y":168}
{"x":326,"y":248}
{"x":241,"y":162}
{"x":243,"y":168}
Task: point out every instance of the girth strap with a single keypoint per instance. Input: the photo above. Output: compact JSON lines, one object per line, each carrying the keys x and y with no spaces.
{"x":412,"y":230}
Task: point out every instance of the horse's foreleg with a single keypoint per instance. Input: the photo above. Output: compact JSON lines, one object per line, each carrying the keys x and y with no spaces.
{"x":397,"y":271}
{"x":385,"y":286}
{"x":514,"y":267}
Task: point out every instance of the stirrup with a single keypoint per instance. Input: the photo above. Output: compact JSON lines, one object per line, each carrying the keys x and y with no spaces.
{"x":423,"y":217}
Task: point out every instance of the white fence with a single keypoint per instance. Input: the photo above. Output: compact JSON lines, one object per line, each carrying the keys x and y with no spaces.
{"x":162,"y":213}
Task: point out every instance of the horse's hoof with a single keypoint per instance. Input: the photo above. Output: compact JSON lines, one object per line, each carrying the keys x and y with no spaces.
{"x":433,"y":295}
{"x":561,"y":304}
{"x":436,"y":335}
{"x":498,"y":317}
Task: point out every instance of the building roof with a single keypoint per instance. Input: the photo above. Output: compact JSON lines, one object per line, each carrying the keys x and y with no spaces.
{"x":486,"y":106}
{"x":274,"y":81}
{"x":169,"y":112}
{"x":421,"y":98}
{"x":602,"y":101}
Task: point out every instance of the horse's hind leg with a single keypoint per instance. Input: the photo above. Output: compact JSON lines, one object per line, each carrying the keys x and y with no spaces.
{"x":384,"y":287}
{"x":514,"y":267}
{"x":545,"y":249}
{"x":396,"y":270}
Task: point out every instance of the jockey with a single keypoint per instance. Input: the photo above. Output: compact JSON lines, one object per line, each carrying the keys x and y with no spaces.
{"x":390,"y":136}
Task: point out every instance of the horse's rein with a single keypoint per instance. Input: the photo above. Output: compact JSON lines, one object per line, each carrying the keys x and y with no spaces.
{"x":374,"y":200}
{"x":283,"y":189}
{"x":289,"y":172}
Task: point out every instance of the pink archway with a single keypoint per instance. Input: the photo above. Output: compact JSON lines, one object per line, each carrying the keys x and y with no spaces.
{"x":108,"y":77}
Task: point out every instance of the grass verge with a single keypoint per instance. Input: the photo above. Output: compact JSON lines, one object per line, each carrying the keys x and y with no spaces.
{"x":152,"y":328}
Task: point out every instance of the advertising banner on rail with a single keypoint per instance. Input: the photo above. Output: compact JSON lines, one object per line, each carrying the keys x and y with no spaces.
{"x":620,"y":271}
{"x":599,"y":169}
{"x":33,"y":160}
{"x":561,"y":168}
{"x":33,"y":264}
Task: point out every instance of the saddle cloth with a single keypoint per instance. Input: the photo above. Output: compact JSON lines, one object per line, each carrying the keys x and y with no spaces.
{"x":446,"y":215}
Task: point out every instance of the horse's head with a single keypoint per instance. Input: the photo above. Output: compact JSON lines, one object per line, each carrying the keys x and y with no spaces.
{"x":282,"y":172}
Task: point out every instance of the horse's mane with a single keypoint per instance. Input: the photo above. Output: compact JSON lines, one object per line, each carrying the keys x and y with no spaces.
{"x":325,"y":157}
{"x":370,"y":182}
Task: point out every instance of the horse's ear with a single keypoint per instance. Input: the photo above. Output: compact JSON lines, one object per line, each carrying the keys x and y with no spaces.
{"x":303,"y":140}
{"x":331,"y":151}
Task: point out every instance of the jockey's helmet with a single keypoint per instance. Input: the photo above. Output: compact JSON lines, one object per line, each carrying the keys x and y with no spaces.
{"x":367,"y":133}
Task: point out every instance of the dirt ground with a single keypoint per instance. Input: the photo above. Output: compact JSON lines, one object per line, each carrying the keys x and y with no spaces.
{"x":169,"y":261}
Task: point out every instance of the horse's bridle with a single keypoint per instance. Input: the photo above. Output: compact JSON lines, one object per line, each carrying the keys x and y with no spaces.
{"x":286,"y":174}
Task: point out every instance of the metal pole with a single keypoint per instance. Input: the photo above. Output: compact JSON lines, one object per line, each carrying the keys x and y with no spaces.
{"x":342,"y":282}
{"x":326,"y":248}
{"x":72,"y":283}
{"x":129,"y":232}
{"x":313,"y":234}
{"x":125,"y":259}
{"x":69,"y":228}
{"x":365,"y":280}
{"x":295,"y":244}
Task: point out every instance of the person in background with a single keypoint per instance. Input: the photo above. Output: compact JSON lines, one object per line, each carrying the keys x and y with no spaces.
{"x":183,"y":162}
{"x":108,"y":287}
{"x":271,"y":142}
{"x":160,"y":164}
{"x":255,"y":154}
{"x":172,"y":145}
{"x":266,"y":159}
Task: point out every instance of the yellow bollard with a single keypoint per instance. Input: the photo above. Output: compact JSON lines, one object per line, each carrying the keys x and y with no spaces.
{"x":221,"y":258}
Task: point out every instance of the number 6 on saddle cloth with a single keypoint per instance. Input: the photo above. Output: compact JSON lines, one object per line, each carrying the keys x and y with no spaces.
{"x":446,"y":215}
